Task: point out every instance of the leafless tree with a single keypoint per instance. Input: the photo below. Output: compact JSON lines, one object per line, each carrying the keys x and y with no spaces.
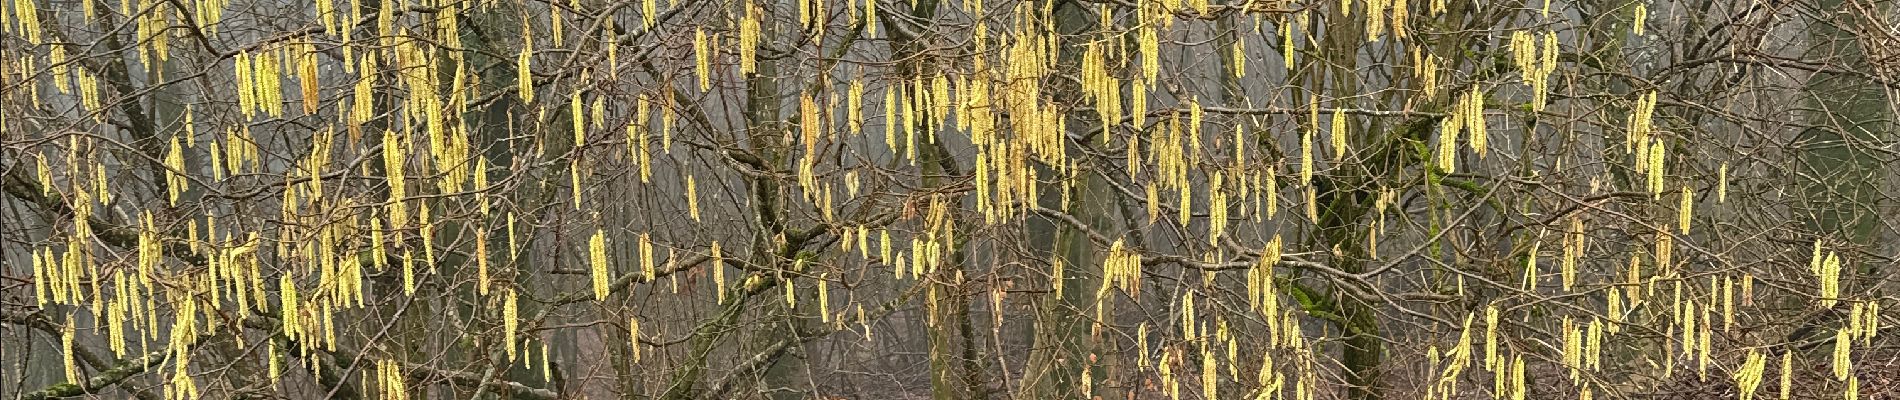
{"x":875,"y":199}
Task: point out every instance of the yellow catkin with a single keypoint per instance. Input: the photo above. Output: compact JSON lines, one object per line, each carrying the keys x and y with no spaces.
{"x":854,"y":105}
{"x":409,"y":273}
{"x":89,"y":96}
{"x":597,"y":249}
{"x":1240,"y":156}
{"x":939,"y":102}
{"x":1448,"y":130}
{"x":749,"y":39}
{"x":633,"y":336}
{"x":574,"y":179}
{"x":398,"y":385}
{"x":45,"y":279}
{"x":884,"y":245}
{"x":1573,"y":248}
{"x":1210,"y":376}
{"x":1843,"y":354}
{"x":427,"y":231}
{"x":1728,"y":303}
{"x":1134,"y":162}
{"x":1491,"y":360}
{"x":276,"y":368}
{"x":1261,"y":285}
{"x":1665,"y":248}
{"x":307,"y":77}
{"x":1306,"y":142}
{"x":1138,"y":103}
{"x":27,"y":13}
{"x":547,"y":361}
{"x":890,"y":117}
{"x":1871,"y":327}
{"x":1748,"y":378}
{"x":870,"y":17}
{"x":362,"y":99}
{"x":291,"y":311}
{"x":1194,"y":130}
{"x":217,"y":161}
{"x":1474,"y":120}
{"x":824,"y":300}
{"x":1122,"y":268}
{"x":649,"y":13}
{"x":1150,"y":46}
{"x":1640,"y":126}
{"x":45,"y":173}
{"x":524,"y":73}
{"x":393,"y":160}
{"x":1855,"y":319}
{"x":67,"y":334}
{"x":246,"y":87}
{"x":1375,"y":21}
{"x":810,"y":133}
{"x":1428,"y":75}
{"x":1595,"y":345}
{"x":1721,"y":186}
{"x":1240,"y":59}
{"x":1523,"y":55}
{"x":1400,"y":12}
{"x":557,"y":31}
{"x":692,"y":198}
{"x":1217,"y":206}
{"x":1642,"y":14}
{"x":578,"y":116}
{"x":1547,"y":64}
{"x":175,"y":181}
{"x":510,"y":322}
{"x":1286,"y":42}
{"x":811,"y":14}
{"x":1814,"y":260}
{"x":702,"y":56}
{"x":1339,"y":136}
{"x":271,"y":66}
{"x":791,"y":293}
{"x":1519,"y":384}
{"x":1748,"y":290}
{"x":1573,"y":349}
{"x":326,"y":13}
{"x":1656,"y":154}
{"x":646,"y":257}
{"x":1168,"y":381}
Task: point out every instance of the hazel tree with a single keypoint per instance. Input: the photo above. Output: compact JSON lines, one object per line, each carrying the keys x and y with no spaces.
{"x":1201,"y":199}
